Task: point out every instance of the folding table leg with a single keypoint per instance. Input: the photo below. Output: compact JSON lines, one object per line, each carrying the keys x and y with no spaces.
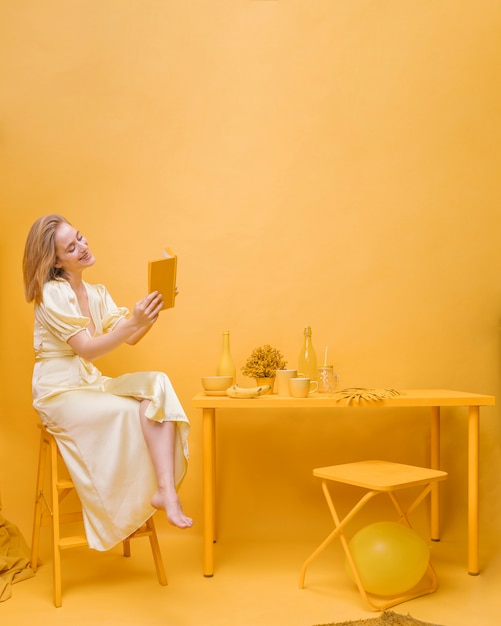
{"x":339,"y":526}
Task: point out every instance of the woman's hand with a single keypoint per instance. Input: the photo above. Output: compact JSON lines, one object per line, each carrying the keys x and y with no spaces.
{"x":147,"y":310}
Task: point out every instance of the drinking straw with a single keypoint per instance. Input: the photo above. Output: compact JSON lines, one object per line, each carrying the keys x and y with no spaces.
{"x":325,"y":357}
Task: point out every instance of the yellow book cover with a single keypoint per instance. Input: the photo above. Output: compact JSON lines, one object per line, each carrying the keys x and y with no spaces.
{"x":162,"y":277}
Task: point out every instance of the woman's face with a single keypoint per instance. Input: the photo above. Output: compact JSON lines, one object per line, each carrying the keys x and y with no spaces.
{"x":72,"y":251}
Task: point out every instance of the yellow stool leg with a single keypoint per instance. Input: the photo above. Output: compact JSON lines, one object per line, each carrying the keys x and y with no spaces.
{"x":148,"y":530}
{"x":56,"y":521}
{"x":157,"y":556}
{"x":39,"y":503}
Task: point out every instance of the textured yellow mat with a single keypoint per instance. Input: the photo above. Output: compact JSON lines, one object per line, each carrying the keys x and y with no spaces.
{"x":388,"y":618}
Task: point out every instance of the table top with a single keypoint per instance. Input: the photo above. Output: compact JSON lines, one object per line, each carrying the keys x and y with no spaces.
{"x":380,"y":475}
{"x":407,"y":398}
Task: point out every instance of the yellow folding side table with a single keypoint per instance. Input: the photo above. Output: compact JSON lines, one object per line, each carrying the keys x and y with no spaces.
{"x":376,"y":477}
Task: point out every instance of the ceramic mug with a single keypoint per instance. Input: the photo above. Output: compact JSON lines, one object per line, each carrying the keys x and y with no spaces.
{"x":282,"y":378}
{"x":301,"y":387}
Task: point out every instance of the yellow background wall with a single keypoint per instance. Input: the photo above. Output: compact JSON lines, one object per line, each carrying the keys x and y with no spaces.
{"x":332,"y":163}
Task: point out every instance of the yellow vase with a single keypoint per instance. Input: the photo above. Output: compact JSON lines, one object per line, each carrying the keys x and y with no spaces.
{"x":226,"y":365}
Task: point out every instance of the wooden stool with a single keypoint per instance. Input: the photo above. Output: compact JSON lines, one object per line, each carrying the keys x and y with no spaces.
{"x":47,"y":512}
{"x":376,"y":477}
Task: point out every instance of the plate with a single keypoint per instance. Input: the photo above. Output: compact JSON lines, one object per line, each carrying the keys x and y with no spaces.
{"x":215,"y":393}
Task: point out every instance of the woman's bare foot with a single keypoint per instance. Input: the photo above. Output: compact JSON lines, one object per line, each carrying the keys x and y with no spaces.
{"x":173,"y":509}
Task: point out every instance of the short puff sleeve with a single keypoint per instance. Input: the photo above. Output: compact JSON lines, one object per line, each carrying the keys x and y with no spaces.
{"x":59,"y":311}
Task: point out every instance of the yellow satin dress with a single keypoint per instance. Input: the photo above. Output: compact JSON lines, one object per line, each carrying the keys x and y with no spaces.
{"x":95,"y":418}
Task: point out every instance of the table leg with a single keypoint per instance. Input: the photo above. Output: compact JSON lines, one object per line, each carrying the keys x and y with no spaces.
{"x":473,"y":441}
{"x":209,"y":491}
{"x":435,"y":464}
{"x":214,"y":482}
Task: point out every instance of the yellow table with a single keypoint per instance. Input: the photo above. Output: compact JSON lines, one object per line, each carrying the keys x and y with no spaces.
{"x":433,"y":398}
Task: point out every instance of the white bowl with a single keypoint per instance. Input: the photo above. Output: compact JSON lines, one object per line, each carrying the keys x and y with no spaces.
{"x":216,"y":383}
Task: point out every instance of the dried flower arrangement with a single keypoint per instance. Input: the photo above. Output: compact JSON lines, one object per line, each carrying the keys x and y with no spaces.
{"x":263,"y":362}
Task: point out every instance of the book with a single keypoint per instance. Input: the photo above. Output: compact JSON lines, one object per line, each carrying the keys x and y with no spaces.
{"x":162,"y":277}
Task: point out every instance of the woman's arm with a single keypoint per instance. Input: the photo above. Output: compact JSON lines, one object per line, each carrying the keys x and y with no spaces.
{"x":129,"y":330}
{"x":137,"y":336}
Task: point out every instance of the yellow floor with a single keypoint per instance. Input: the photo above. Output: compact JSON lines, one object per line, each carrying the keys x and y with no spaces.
{"x":256,"y":582}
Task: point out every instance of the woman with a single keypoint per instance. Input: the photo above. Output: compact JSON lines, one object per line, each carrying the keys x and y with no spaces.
{"x":123,"y":439}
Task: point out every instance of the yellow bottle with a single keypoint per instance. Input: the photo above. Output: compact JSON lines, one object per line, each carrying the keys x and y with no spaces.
{"x":226,"y":366}
{"x":307,"y":361}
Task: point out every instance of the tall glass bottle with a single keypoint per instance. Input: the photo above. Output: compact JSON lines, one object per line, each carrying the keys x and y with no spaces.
{"x":226,"y":366}
{"x":307,"y":361}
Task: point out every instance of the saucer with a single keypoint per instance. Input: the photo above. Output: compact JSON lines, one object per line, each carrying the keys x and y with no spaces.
{"x":215,"y":393}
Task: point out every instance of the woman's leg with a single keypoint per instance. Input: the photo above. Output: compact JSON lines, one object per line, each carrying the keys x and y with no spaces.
{"x":160,"y":438}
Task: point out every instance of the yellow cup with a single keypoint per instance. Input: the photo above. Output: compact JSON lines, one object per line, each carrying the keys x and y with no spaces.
{"x":302,"y":387}
{"x":282,"y":378}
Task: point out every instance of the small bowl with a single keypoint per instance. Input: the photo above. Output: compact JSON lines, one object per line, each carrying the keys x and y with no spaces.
{"x":216,"y":383}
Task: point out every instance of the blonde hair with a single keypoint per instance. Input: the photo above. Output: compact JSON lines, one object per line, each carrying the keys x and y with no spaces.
{"x":40,"y":256}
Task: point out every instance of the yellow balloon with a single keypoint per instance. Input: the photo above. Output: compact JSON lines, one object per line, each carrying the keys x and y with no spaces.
{"x":390,"y":558}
